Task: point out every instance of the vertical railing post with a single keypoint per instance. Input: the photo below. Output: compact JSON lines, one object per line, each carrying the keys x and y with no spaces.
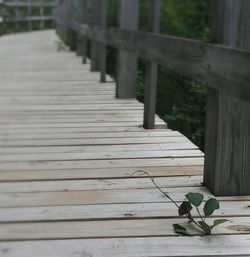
{"x":103,"y":4}
{"x":127,"y":62}
{"x":95,"y":50}
{"x":41,"y":15}
{"x":151,"y":70}
{"x":70,"y":34}
{"x":16,"y":8}
{"x":1,"y":18}
{"x":78,"y":37}
{"x":227,"y":151}
{"x":81,"y":42}
{"x":56,"y":16}
{"x":65,"y":19}
{"x":29,"y":14}
{"x":84,"y":39}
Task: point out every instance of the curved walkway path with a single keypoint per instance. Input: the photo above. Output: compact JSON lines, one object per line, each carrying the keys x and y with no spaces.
{"x":68,"y":152}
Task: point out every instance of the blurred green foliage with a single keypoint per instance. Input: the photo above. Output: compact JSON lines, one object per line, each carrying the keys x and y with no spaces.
{"x":22,"y":11}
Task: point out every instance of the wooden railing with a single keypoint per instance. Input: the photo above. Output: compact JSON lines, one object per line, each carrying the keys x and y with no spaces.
{"x":224,"y":69}
{"x":26,"y":12}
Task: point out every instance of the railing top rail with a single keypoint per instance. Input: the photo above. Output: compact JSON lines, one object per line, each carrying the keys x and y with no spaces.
{"x":211,"y":64}
{"x":26,"y":4}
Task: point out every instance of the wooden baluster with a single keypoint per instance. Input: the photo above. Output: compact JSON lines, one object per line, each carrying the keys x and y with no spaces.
{"x":127,"y":62}
{"x":42,"y":15}
{"x":65,"y":9}
{"x":71,"y":35}
{"x":84,"y":39}
{"x":29,"y":14}
{"x":81,"y":41}
{"x":95,"y":50}
{"x":56,"y":17}
{"x":151,"y":70}
{"x":78,"y":37}
{"x":227,"y":161}
{"x":1,"y":18}
{"x":103,"y":9}
{"x":16,"y":8}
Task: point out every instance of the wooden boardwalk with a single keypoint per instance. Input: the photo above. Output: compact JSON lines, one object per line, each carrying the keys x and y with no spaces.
{"x":68,"y":149}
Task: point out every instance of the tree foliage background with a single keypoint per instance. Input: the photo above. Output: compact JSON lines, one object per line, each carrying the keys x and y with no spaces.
{"x":22,"y":11}
{"x":181,"y":102}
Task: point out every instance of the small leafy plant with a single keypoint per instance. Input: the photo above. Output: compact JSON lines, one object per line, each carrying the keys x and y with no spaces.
{"x":192,"y":201}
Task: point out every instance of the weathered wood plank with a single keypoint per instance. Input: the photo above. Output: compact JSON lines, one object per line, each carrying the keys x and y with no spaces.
{"x":99,"y":141}
{"x":102,"y":164}
{"x":111,"y":211}
{"x":235,"y":245}
{"x":25,"y":172}
{"x":100,"y":184}
{"x":103,"y":197}
{"x":101,"y":148}
{"x":20,"y":157}
{"x":120,"y":228}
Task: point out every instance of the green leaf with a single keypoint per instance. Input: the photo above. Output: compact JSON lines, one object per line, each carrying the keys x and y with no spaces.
{"x":210,"y":206}
{"x":195,"y":198}
{"x":178,"y":226}
{"x":178,"y":229}
{"x":218,"y":222}
{"x":206,"y":228}
{"x":185,"y":208}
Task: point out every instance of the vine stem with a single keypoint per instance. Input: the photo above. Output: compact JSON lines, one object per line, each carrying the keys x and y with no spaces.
{"x":197,"y":209}
{"x":153,"y":181}
{"x":189,"y":216}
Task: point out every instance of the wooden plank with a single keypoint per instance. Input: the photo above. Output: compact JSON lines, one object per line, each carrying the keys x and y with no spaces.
{"x":127,"y":62}
{"x":73,"y":129}
{"x":92,"y":135}
{"x":101,"y":148}
{"x":94,"y":197}
{"x":99,"y":141}
{"x":71,"y":107}
{"x":120,"y":228}
{"x":25,"y":172}
{"x":100,"y":184}
{"x":234,"y":245}
{"x":111,"y":211}
{"x":20,"y":157}
{"x":90,"y":164}
{"x":56,"y":76}
{"x":103,"y":197}
{"x":27,"y":120}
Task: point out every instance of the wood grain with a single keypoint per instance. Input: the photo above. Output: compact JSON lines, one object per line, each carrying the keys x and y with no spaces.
{"x":69,"y":151}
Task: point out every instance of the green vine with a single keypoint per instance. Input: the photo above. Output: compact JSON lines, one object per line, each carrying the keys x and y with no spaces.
{"x":192,"y":201}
